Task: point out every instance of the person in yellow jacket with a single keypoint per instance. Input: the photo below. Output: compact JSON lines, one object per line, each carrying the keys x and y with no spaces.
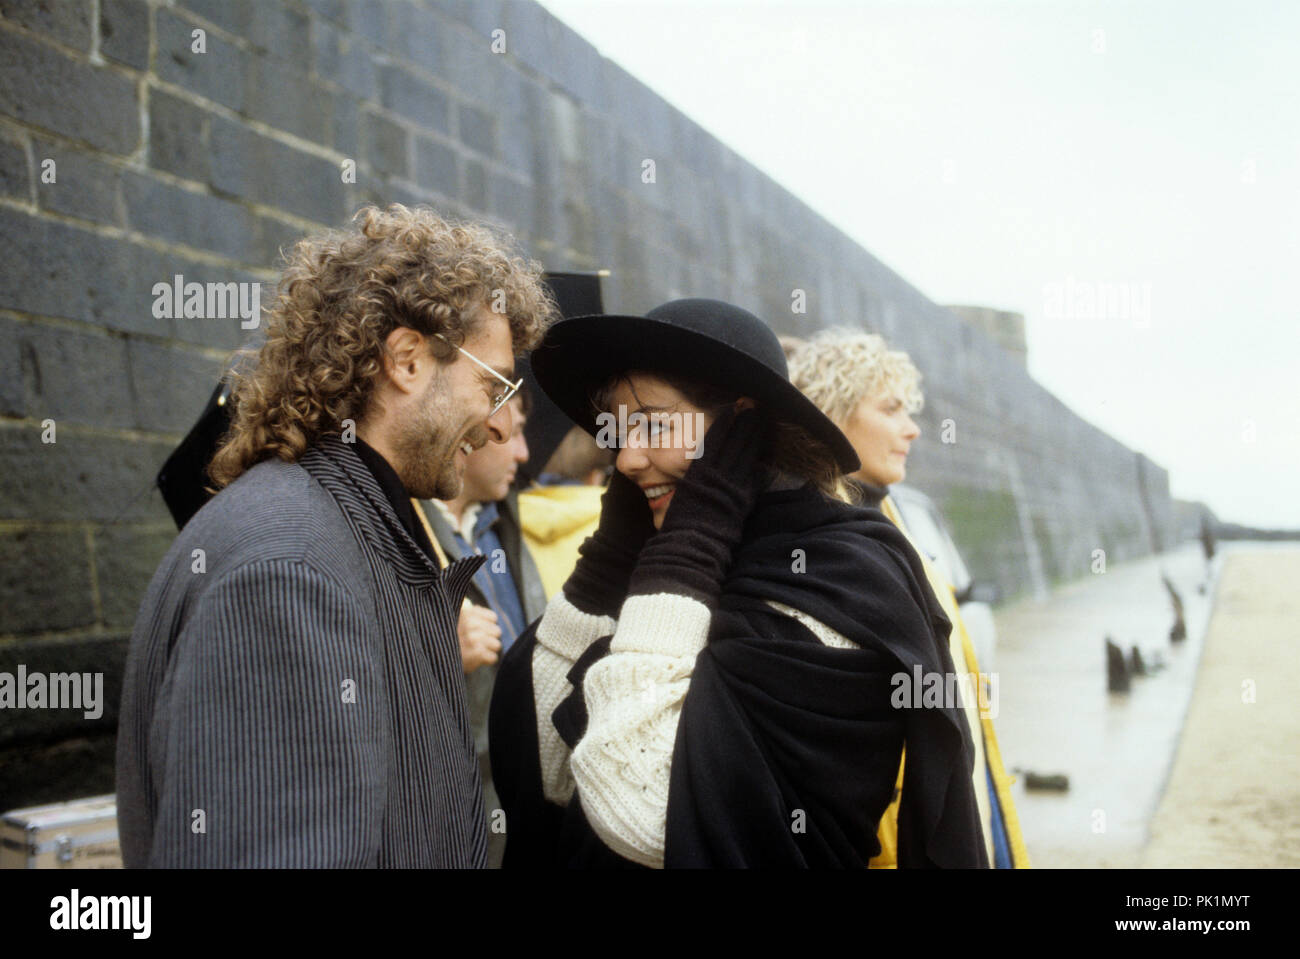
{"x":555,"y":521}
{"x":871,"y":392}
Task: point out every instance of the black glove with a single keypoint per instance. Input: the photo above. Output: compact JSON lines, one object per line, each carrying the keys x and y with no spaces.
{"x":599,"y":582}
{"x":704,"y":522}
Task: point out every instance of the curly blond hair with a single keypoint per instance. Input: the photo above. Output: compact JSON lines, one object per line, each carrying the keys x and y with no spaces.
{"x":837,"y":368}
{"x":341,"y":294}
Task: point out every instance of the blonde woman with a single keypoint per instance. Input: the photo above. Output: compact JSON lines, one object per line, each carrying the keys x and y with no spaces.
{"x":871,"y":393}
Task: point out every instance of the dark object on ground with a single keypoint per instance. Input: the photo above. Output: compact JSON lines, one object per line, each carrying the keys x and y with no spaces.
{"x":1056,"y":782}
{"x":1136,"y":666}
{"x":1178,"y":631}
{"x":1117,"y":677}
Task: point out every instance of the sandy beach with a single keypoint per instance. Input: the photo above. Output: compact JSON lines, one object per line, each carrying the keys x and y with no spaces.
{"x":1233,"y":797}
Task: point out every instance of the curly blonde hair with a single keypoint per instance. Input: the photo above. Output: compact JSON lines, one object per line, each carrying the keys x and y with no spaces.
{"x":341,"y":294}
{"x":837,"y":368}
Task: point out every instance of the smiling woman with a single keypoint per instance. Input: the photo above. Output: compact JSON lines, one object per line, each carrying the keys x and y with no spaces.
{"x":711,"y":687}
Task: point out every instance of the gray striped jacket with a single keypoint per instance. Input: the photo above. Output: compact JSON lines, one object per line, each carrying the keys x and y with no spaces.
{"x":293,"y":693}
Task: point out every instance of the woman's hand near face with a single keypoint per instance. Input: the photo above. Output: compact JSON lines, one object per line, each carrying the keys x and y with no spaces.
{"x":706,"y":518}
{"x":599,"y":581}
{"x":729,"y":461}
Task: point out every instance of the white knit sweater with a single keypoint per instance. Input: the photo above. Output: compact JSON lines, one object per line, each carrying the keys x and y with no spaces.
{"x":634,"y":699}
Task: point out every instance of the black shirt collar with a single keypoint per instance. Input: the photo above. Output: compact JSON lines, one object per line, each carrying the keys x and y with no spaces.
{"x":397,"y":495}
{"x":868,"y":494}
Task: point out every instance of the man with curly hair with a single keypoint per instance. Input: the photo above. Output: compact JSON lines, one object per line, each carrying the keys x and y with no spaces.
{"x":293,"y":693}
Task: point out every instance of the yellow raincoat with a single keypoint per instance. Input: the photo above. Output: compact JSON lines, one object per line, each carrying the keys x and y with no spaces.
{"x":987,"y":754}
{"x":555,"y":521}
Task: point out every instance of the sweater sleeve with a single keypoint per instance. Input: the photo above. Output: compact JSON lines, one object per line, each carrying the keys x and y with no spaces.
{"x":563,"y":634}
{"x":634,"y":700}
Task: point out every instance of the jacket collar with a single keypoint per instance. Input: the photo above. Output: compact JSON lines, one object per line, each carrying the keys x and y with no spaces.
{"x":338,"y":468}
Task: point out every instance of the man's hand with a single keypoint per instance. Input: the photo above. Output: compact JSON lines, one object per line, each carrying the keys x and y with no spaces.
{"x":480,"y":636}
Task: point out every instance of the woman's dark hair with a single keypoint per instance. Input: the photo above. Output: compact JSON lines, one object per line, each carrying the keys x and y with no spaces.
{"x":790,"y":449}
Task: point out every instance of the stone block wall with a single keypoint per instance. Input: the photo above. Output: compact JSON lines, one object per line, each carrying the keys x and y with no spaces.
{"x":130,"y":153}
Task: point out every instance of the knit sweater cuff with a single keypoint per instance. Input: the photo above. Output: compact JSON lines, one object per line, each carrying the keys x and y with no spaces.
{"x":665,"y":623}
{"x":567,"y":631}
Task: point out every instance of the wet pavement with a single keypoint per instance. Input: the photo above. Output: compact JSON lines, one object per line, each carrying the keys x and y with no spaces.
{"x":1056,"y":716}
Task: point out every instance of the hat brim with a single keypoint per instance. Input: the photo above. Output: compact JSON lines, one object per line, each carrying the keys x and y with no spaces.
{"x":581,"y":354}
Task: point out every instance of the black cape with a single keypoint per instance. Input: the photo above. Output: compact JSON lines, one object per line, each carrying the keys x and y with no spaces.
{"x":787,"y":750}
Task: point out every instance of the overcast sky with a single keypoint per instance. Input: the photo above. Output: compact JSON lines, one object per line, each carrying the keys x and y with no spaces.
{"x":1019,"y":155}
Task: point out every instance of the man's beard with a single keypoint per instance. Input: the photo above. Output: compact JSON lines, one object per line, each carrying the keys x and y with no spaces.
{"x":426,"y":446}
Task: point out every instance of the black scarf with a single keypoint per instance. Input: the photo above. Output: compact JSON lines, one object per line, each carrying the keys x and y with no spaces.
{"x":787,"y":750}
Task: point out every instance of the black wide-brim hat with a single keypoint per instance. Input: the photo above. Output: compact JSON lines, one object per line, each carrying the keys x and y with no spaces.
{"x":704,"y":340}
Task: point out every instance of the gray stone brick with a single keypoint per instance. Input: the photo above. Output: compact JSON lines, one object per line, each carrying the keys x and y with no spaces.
{"x":124,"y":32}
{"x":518,"y":111}
{"x":83,"y":186}
{"x":413,"y":34}
{"x":178,"y":137}
{"x":464,"y":59}
{"x":477,"y":129}
{"x":344,"y":60}
{"x":159,"y":209}
{"x":271,"y":237}
{"x":335,"y":10}
{"x":104,"y":654}
{"x":358,"y":73}
{"x":435,"y":166}
{"x":267,"y":24}
{"x":169,"y":385}
{"x":217,"y":74}
{"x":126,"y":558}
{"x":41,"y":86}
{"x":13,"y":169}
{"x":13,"y":400}
{"x":385,"y":145}
{"x":414,"y":98}
{"x":539,"y":39}
{"x":249,"y":165}
{"x":71,"y":377}
{"x":369,"y":19}
{"x":59,"y":270}
{"x":345,"y":128}
{"x":67,"y":21}
{"x":512,"y":202}
{"x":45,"y":581}
{"x":282,"y":96}
{"x":474,"y":189}
{"x":462,"y":10}
{"x":482,"y":16}
{"x":87,"y":477}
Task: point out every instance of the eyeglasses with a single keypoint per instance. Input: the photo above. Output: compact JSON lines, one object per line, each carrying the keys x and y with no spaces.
{"x":502,"y":396}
